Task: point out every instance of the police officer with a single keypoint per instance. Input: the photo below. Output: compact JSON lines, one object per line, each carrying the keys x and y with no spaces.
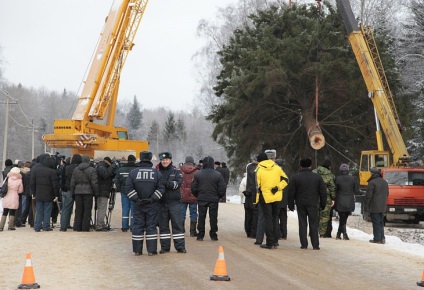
{"x":145,"y":190}
{"x":170,"y":206}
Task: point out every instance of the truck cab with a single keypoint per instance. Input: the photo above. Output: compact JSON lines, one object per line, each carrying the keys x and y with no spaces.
{"x":406,"y":194}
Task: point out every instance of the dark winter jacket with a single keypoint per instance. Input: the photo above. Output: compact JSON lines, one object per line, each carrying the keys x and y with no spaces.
{"x":188,"y":170}
{"x":208,"y":184}
{"x":307,"y":188}
{"x":105,"y":175}
{"x":251,"y":186}
{"x":44,"y":181}
{"x":377,"y":193}
{"x":122,"y":175}
{"x":143,"y":183}
{"x":69,"y":169}
{"x":346,"y":188}
{"x":84,"y":180}
{"x":26,"y":180}
{"x":172,"y":179}
{"x":225,"y":173}
{"x":6,"y":171}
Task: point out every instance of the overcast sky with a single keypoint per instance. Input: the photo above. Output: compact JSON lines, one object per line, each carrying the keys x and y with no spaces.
{"x":49,"y":43}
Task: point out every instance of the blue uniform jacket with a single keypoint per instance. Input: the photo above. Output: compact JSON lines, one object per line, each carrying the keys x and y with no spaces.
{"x":172,"y":180}
{"x":143,"y":183}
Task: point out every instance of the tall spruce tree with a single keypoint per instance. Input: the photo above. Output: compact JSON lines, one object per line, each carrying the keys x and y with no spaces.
{"x":134,"y":115}
{"x":170,"y":130}
{"x":271,"y":72}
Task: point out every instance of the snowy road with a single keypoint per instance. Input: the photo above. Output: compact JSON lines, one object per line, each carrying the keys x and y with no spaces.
{"x":104,"y":260}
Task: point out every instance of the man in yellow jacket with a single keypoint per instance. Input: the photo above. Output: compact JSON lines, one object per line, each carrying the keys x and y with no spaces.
{"x":271,"y":180}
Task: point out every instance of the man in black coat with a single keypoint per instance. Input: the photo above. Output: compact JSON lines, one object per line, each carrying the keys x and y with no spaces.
{"x":44,"y":185}
{"x":375,"y":203}
{"x":307,"y":190}
{"x":208,"y":186}
{"x":105,"y":174}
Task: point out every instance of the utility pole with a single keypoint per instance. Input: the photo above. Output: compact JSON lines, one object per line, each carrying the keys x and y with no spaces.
{"x":33,"y":138}
{"x":6,"y":125}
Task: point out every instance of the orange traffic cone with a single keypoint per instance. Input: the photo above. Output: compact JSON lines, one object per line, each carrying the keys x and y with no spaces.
{"x":422,"y":280}
{"x":28,"y":279}
{"x":220,"y":272}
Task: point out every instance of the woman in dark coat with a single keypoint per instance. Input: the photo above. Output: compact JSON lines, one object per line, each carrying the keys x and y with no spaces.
{"x":346,"y":188}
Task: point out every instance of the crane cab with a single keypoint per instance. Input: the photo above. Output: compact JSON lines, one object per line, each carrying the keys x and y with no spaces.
{"x":372,"y":158}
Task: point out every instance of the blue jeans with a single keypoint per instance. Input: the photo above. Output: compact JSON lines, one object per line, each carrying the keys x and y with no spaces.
{"x":192,"y":208}
{"x":67,"y":207}
{"x":377,"y":220}
{"x":42,"y":216}
{"x":127,"y":209}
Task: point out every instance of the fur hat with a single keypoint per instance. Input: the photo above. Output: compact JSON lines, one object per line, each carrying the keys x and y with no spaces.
{"x":261,"y":157}
{"x":131,"y":158}
{"x":305,"y":162}
{"x":271,"y":153}
{"x":15,"y":170}
{"x":164,"y":155}
{"x":146,"y":156}
{"x":344,"y":167}
{"x":189,"y":159}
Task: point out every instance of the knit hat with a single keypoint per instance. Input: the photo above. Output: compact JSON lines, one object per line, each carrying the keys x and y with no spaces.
{"x":279,"y":162}
{"x":189,"y":159}
{"x":164,"y":155}
{"x":344,"y":167}
{"x":15,"y":170}
{"x":217,"y":163}
{"x":261,"y":157}
{"x":109,"y":161}
{"x":146,"y":156}
{"x":306,"y":162}
{"x":271,"y":153}
{"x":131,"y":158}
{"x":8,"y":162}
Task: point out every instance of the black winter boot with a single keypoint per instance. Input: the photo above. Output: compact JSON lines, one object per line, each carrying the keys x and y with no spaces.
{"x":193,"y":229}
{"x":338,"y":237}
{"x":345,"y":236}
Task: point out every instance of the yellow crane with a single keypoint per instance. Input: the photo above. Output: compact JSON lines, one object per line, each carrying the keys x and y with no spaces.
{"x":100,"y":91}
{"x":366,"y":53}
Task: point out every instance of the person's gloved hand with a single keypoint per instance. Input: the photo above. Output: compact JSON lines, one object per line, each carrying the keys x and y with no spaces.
{"x":274,"y":189}
{"x":55,"y":199}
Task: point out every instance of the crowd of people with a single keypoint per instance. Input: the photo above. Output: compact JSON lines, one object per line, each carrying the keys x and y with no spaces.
{"x":155,"y":199}
{"x":267,"y":193}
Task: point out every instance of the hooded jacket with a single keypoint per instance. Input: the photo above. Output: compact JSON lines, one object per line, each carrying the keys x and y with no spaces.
{"x":269,"y":175}
{"x":44,"y":180}
{"x":208,"y":184}
{"x":377,"y":193}
{"x":105,"y":175}
{"x":14,"y":188}
{"x":84,"y":179}
{"x":122,"y":175}
{"x":69,"y":169}
{"x":188,"y":170}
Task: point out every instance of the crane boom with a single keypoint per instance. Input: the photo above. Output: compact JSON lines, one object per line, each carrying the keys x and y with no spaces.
{"x":100,"y":91}
{"x":366,"y":53}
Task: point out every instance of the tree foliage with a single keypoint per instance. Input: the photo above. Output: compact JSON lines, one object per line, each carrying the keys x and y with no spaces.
{"x":270,"y":73}
{"x":134,"y":115}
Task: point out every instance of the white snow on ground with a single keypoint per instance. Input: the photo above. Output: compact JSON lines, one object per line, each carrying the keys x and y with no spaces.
{"x":392,"y":242}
